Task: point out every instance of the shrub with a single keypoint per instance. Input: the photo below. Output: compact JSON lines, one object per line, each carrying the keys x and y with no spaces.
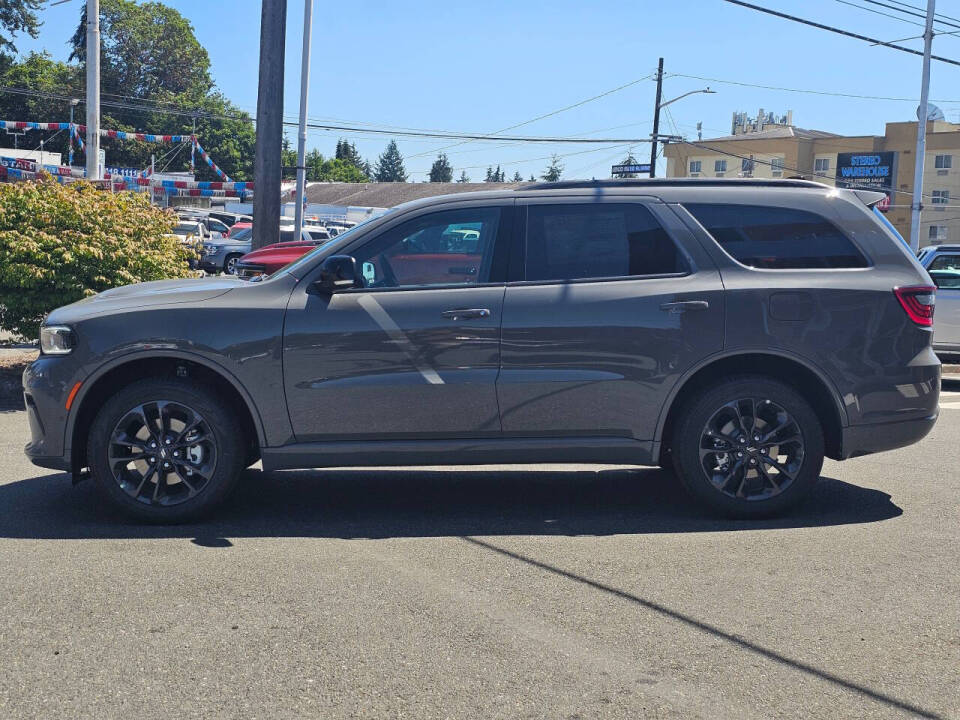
{"x":61,"y":243}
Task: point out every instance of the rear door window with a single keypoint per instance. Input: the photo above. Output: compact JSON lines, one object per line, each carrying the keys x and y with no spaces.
{"x":597,"y":240}
{"x":945,"y":262}
{"x":776,"y":238}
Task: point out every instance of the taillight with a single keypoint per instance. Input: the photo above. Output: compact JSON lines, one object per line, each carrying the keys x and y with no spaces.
{"x":918,"y":302}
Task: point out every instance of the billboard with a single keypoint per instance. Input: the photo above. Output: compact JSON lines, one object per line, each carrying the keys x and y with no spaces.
{"x":867,"y":171}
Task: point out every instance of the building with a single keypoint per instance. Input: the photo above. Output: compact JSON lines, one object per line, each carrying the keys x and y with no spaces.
{"x":884,"y":162}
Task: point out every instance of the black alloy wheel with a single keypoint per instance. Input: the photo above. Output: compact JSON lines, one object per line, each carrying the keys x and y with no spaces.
{"x":162,"y":453}
{"x":749,"y":446}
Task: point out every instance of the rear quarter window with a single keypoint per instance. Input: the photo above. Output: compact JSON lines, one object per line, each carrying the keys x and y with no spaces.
{"x":776,"y":238}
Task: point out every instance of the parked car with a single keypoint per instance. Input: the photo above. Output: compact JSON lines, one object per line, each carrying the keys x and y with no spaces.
{"x":942,"y":262}
{"x":271,"y":258}
{"x":946,"y":328}
{"x":222,"y":255}
{"x":191,"y":232}
{"x":735,"y":331}
{"x":228,"y":219}
{"x":239,"y":227}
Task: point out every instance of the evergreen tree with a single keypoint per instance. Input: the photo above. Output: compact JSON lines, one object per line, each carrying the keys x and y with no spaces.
{"x":628,"y":160}
{"x":441,"y":171}
{"x":517,"y":177}
{"x":532,"y":179}
{"x":390,"y":165}
{"x":554,"y":170}
{"x":490,"y":176}
{"x":18,"y":16}
{"x":463,"y":177}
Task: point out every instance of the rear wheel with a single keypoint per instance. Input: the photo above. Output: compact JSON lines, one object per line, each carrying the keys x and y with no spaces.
{"x":749,"y":447}
{"x":165,"y":450}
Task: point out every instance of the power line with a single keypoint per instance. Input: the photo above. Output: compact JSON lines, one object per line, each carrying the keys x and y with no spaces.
{"x":909,"y":11}
{"x":839,"y":31}
{"x":545,"y":115}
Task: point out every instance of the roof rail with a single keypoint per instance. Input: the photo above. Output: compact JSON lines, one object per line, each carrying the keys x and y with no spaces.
{"x":671,"y":182}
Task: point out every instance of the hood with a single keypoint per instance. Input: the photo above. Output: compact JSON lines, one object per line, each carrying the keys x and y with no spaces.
{"x":160,"y":292}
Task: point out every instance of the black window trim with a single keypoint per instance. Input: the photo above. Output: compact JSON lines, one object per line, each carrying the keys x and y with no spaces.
{"x":696,"y":224}
{"x":519,"y":258}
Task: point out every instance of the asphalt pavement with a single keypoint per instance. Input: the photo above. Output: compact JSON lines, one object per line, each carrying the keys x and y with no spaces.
{"x":555,"y":592}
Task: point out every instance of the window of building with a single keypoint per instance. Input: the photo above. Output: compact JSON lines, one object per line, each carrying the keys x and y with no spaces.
{"x":571,"y":242}
{"x":694,"y":166}
{"x":938,"y":233}
{"x":821,"y":165}
{"x":777,"y":238}
{"x":943,"y":162}
{"x":941,"y":197}
{"x":776,"y":164}
{"x":719,"y":165}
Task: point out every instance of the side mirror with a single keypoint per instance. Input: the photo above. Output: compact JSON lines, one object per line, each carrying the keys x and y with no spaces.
{"x":338,"y":272}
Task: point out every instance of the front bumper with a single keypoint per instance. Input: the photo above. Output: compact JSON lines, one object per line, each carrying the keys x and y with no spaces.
{"x":46,"y":384}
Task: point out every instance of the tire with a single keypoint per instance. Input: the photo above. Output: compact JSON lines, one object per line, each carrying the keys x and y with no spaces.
{"x":735,"y":473}
{"x":127,"y":451}
{"x":230,"y":264}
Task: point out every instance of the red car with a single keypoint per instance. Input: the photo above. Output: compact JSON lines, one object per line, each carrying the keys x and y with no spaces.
{"x":271,"y":258}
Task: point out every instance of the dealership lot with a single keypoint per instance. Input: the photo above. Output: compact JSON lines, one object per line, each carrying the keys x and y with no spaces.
{"x":487,"y":592}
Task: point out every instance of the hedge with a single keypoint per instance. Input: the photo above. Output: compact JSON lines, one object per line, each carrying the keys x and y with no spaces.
{"x":61,"y":243}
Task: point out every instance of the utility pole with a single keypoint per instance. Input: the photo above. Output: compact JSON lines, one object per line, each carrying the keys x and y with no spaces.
{"x":921,"y":131}
{"x":93,"y":89}
{"x":656,"y":121}
{"x":302,"y":141}
{"x":267,"y":166}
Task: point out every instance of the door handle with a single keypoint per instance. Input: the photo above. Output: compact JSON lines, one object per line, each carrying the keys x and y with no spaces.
{"x":466,"y":313}
{"x":684,"y":305}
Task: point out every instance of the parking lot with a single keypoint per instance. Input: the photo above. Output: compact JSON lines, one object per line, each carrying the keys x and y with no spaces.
{"x":561,"y":592}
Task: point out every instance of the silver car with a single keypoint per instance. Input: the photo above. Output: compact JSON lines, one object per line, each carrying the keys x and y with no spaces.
{"x":943,"y":264}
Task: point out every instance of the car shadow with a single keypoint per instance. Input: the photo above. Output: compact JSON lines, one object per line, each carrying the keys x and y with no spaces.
{"x":386,"y":503}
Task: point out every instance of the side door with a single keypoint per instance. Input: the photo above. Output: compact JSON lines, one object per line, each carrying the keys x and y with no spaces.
{"x":415,"y":352}
{"x":612,"y":302}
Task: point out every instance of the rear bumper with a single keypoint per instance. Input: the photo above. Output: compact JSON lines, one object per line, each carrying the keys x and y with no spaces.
{"x":866,"y":439}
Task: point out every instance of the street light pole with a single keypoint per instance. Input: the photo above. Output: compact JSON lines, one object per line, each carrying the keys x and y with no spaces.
{"x":656,"y":121}
{"x":93,"y":89}
{"x":302,"y":139}
{"x":921,"y":131}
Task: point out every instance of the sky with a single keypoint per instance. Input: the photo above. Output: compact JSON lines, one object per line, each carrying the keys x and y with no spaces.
{"x":484,"y":66}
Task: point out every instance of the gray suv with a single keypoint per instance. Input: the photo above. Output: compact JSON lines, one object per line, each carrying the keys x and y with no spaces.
{"x":735,"y":331}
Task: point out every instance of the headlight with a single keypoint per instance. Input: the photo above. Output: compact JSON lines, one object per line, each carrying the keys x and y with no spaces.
{"x":57,"y":340}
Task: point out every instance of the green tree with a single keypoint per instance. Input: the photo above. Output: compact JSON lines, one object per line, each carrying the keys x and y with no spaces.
{"x":554,"y":170}
{"x":463,"y":177}
{"x":390,"y":165}
{"x":147,"y":50}
{"x":17,"y":16}
{"x":336,"y":170}
{"x":628,"y":160}
{"x":154,"y":62}
{"x":38,"y":71}
{"x":497,"y":175}
{"x":517,"y":177}
{"x":441,"y":170}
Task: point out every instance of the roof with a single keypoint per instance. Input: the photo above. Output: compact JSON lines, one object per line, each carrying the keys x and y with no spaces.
{"x":386,"y":195}
{"x":776,"y":133}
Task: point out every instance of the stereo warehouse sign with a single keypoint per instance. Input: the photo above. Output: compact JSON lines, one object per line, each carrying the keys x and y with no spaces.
{"x":868,"y":171}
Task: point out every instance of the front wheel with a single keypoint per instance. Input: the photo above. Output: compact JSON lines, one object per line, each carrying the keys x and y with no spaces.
{"x":230,"y":264}
{"x":165,"y":450}
{"x":749,"y":447}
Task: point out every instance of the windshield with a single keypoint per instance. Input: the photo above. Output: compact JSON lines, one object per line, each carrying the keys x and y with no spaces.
{"x":242,"y":234}
{"x":186,"y":228}
{"x":344,"y":237}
